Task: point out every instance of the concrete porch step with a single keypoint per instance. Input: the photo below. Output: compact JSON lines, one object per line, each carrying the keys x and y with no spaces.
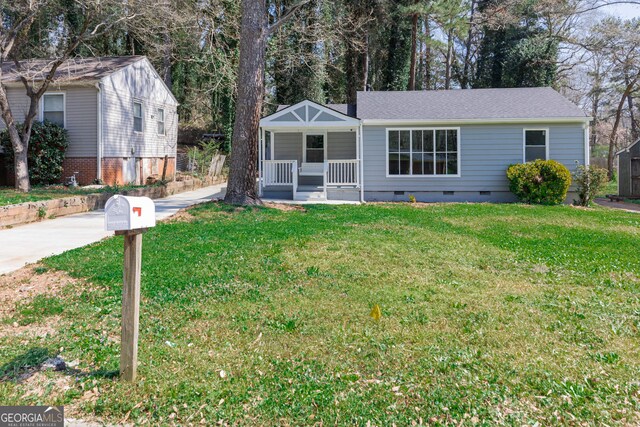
{"x":309,"y":196}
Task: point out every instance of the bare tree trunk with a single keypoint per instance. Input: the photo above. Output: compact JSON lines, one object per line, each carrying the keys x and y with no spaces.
{"x":412,"y":66}
{"x":447,"y":75}
{"x":241,"y":187}
{"x":427,"y":54}
{"x":365,"y":62}
{"x":634,"y":124}
{"x":166,"y":60}
{"x":616,"y":124}
{"x":20,"y":149}
{"x":466,"y":72}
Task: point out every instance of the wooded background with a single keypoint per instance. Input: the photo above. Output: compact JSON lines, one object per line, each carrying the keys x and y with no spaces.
{"x":331,"y":49}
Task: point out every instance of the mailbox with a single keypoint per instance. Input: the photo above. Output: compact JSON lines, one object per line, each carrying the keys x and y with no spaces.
{"x":129,"y":213}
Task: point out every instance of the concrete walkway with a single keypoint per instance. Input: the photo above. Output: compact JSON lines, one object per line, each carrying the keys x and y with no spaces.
{"x":629,"y":207}
{"x":29,"y":243}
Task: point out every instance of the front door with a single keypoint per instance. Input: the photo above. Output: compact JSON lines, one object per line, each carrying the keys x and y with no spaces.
{"x":635,"y":176}
{"x":314,"y":148}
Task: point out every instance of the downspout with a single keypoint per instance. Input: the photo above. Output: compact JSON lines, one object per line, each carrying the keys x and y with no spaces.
{"x":361,"y":164}
{"x":99,"y":133}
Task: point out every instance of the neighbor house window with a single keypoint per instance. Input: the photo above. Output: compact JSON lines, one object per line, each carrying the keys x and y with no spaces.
{"x":423,"y":152}
{"x":535,"y":144}
{"x":53,"y":108}
{"x":160,"y":120}
{"x":137,"y":116}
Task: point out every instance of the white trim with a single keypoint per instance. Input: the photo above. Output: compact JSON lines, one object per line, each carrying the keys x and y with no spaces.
{"x":627,"y":148}
{"x":133,"y":113}
{"x":434,"y":175}
{"x":272,"y":145}
{"x":304,"y":144}
{"x":587,"y":147}
{"x":342,"y":120}
{"x":524,"y":142}
{"x":64,"y":106}
{"x":444,"y":122}
{"x":164,"y":122}
{"x":99,"y":132}
{"x":361,"y":158}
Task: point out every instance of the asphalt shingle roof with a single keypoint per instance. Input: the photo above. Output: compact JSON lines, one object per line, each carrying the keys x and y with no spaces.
{"x":466,"y":104}
{"x":73,"y":70}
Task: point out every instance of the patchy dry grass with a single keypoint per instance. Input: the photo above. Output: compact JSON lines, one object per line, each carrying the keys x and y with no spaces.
{"x":492,"y":315}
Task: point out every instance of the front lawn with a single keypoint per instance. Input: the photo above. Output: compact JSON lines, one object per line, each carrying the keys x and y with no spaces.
{"x":491,"y":315}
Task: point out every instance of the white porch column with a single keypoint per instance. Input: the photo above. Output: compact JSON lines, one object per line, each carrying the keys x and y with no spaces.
{"x":361,"y":162}
{"x":260,"y":160}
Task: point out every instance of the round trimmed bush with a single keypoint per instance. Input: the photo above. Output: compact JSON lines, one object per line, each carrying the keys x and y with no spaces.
{"x":47,"y":147}
{"x":543,"y":182}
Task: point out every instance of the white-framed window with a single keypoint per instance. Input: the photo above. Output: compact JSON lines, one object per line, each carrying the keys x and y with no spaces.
{"x":53,"y":108}
{"x":137,"y":116}
{"x":160,"y":121}
{"x":535,"y":144}
{"x":314,"y":147}
{"x":423,"y":152}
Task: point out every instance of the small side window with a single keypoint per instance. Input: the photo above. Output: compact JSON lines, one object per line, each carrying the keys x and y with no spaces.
{"x":535,"y":144}
{"x":160,"y":120}
{"x":137,"y":116}
{"x":53,"y":108}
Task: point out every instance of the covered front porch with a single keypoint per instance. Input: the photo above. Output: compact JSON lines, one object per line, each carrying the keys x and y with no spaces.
{"x":309,"y":152}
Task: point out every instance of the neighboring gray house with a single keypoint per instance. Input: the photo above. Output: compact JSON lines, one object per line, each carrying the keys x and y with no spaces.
{"x":453,"y":145}
{"x":120,"y":116}
{"x":629,"y":171}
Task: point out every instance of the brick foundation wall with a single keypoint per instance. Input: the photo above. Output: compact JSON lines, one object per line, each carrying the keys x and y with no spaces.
{"x":86,"y":166}
{"x":112,"y":170}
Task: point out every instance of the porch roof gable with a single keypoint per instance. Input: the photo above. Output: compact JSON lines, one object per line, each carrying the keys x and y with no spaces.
{"x":308,"y":114}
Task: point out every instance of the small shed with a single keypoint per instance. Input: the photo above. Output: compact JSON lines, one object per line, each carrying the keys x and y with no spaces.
{"x":629,"y":171}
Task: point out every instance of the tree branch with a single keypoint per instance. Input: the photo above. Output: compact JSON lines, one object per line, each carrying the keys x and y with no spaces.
{"x":276,"y":25}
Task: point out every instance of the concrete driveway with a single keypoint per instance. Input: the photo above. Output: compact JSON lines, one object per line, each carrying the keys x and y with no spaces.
{"x":29,"y":243}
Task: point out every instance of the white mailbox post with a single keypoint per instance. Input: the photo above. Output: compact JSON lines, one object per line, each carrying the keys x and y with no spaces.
{"x":130,"y":217}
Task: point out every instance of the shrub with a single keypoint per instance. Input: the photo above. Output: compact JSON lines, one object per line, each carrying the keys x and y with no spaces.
{"x":47,"y":148}
{"x":541,"y":182}
{"x":590,"y":180}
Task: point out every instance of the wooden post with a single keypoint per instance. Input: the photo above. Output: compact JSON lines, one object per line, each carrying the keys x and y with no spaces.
{"x":164,"y":167}
{"x":130,"y":302}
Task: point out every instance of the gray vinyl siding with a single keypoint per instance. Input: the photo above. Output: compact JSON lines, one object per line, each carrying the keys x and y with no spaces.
{"x":288,"y":146}
{"x":81,"y":114}
{"x":341,"y":145}
{"x":486,"y":151}
{"x":119,"y":90}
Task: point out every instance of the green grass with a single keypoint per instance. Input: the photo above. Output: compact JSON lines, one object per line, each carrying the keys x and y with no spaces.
{"x":491,"y":314}
{"x":9,"y":196}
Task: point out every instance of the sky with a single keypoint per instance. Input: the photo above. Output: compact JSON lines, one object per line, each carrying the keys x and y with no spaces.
{"x":625,"y":11}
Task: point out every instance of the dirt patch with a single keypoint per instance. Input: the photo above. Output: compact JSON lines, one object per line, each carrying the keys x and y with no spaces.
{"x":183,"y":215}
{"x":286,"y":207}
{"x":24,"y":284}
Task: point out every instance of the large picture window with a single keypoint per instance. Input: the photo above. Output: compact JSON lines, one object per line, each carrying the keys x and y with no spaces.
{"x":535,"y":144}
{"x":53,"y":108}
{"x":423,"y":152}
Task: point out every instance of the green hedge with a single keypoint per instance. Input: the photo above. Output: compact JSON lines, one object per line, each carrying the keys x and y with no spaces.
{"x":544,"y":182}
{"x":47,"y":148}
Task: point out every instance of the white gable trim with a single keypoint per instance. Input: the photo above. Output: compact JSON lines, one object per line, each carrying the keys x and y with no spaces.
{"x":150,"y":67}
{"x":342,"y":120}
